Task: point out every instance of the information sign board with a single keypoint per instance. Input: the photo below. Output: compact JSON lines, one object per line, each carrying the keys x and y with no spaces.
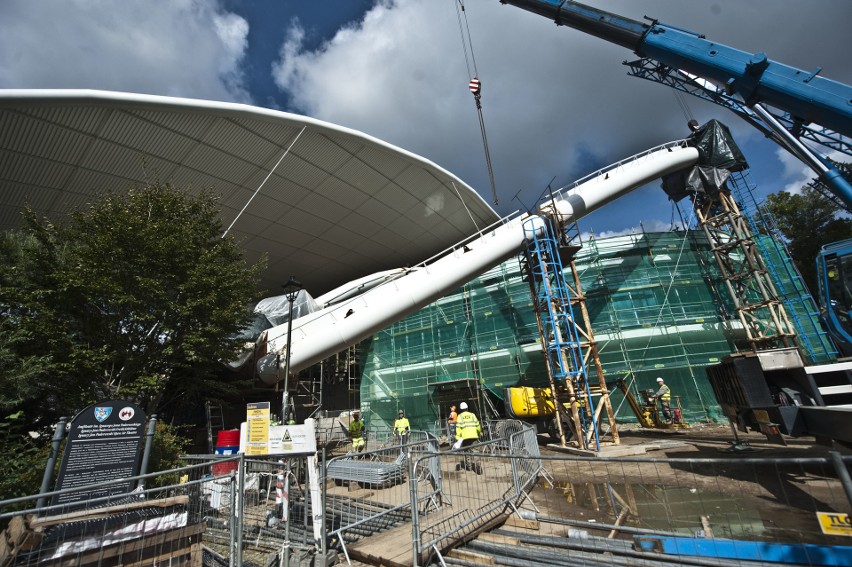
{"x":103,"y":445}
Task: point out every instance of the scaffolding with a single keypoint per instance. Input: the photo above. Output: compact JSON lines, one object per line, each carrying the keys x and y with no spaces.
{"x":652,"y":301}
{"x":568,"y":342}
{"x":814,"y":342}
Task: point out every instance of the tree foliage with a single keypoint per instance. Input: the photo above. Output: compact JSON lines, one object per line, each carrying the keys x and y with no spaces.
{"x":138,"y":297}
{"x":808,"y":221}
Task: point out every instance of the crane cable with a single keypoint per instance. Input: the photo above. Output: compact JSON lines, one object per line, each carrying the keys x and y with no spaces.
{"x":684,"y":106}
{"x":475,"y":86}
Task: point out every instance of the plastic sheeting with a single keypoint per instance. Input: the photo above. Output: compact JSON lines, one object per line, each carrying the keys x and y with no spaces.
{"x":696,"y":180}
{"x":268,"y":313}
{"x":718,"y":155}
{"x":716,"y":147}
{"x":277,"y":309}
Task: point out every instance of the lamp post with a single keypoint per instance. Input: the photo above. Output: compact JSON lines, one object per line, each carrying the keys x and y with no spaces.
{"x":291,"y":290}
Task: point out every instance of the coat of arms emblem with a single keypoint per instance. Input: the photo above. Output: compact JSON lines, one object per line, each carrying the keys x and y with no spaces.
{"x":102,"y":413}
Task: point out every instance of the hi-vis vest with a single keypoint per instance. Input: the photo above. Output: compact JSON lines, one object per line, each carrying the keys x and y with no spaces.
{"x":467,"y":426}
{"x":356,"y":428}
{"x":666,"y":394}
{"x":401,"y":426}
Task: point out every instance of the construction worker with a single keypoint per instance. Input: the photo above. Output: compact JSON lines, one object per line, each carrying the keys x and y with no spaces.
{"x":451,"y":425}
{"x":664,"y":394}
{"x":402,"y":429}
{"x":357,"y":431}
{"x":468,"y":431}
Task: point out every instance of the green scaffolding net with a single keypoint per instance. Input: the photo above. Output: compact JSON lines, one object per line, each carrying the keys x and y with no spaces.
{"x":656,"y":305}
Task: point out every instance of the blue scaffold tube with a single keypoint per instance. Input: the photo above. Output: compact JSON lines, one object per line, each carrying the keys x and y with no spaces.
{"x":804,"y":553}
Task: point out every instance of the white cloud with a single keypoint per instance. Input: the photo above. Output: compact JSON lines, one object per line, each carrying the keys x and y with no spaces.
{"x":556,"y":102}
{"x":186,"y":48}
{"x":796,"y":174}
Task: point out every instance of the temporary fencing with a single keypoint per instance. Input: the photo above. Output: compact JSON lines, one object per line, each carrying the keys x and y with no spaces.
{"x":161,"y":521}
{"x":416,"y":504}
{"x":480,"y":486}
{"x":368,"y":492}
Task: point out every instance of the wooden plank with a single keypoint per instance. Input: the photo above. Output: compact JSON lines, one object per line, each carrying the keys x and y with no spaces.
{"x":5,"y":550}
{"x":487,"y":523}
{"x":197,"y":555}
{"x":182,"y":556}
{"x":393,"y":548}
{"x":517,"y":522}
{"x":15,"y":531}
{"x":108,"y":511}
{"x":497,"y":538}
{"x":472,"y":556}
{"x":97,"y":556}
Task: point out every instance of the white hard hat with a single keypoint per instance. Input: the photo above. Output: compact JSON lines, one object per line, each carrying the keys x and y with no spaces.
{"x":659,"y":379}
{"x":463,"y":405}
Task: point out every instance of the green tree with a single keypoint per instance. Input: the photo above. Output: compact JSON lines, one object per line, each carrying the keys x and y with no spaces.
{"x":138,"y":297}
{"x":808,"y":221}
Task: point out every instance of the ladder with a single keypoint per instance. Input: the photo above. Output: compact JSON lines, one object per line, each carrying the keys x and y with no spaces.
{"x":564,"y":341}
{"x":215,"y":423}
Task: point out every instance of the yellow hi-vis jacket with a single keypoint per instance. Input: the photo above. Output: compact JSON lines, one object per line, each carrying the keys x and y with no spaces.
{"x":356,"y":429}
{"x":664,"y":393}
{"x":401,"y":427}
{"x":467,"y":426}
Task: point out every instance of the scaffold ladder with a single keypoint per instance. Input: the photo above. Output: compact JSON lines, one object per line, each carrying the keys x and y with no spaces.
{"x":564,"y":342}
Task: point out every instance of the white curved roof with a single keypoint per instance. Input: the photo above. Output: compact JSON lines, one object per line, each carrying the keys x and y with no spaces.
{"x":339,"y":205}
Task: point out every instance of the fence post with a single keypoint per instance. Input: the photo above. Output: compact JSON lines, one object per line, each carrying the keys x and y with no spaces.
{"x":287,"y":518}
{"x":842,"y":474}
{"x":146,"y":453}
{"x":415,"y":520}
{"x":323,"y":494}
{"x":47,"y":479}
{"x":241,"y":484}
{"x":233,"y":535}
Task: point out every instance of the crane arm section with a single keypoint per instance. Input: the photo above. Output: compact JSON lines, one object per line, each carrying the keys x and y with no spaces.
{"x":804,"y":94}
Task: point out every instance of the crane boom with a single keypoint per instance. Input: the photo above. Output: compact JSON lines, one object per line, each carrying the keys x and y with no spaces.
{"x":804,"y":95}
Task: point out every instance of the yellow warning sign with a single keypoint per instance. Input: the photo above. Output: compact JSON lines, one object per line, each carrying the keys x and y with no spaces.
{"x":834,"y":523}
{"x":257,"y":416}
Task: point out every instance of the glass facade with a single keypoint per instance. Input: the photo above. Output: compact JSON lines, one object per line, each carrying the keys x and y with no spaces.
{"x":655,"y":303}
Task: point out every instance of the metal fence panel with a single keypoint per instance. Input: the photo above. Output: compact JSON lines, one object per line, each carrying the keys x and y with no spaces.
{"x":164,"y":520}
{"x":368,"y":492}
{"x":423,"y":502}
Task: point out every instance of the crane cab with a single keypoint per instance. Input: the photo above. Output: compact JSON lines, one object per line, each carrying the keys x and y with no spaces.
{"x":834,"y":273}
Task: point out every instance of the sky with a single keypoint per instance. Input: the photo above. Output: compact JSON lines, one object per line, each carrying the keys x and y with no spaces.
{"x":557,"y":103}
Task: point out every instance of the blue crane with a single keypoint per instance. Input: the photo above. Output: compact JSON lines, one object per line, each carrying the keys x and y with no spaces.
{"x":810,"y":107}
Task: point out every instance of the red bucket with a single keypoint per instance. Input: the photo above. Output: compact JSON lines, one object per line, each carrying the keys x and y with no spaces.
{"x":227,"y":438}
{"x":227,"y":443}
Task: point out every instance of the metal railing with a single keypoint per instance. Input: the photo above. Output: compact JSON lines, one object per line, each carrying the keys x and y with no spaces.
{"x":480,"y":485}
{"x":230,"y":510}
{"x":367,"y":493}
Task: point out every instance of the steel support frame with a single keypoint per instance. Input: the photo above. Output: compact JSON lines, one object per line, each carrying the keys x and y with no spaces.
{"x":746,"y":278}
{"x":652,"y":70}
